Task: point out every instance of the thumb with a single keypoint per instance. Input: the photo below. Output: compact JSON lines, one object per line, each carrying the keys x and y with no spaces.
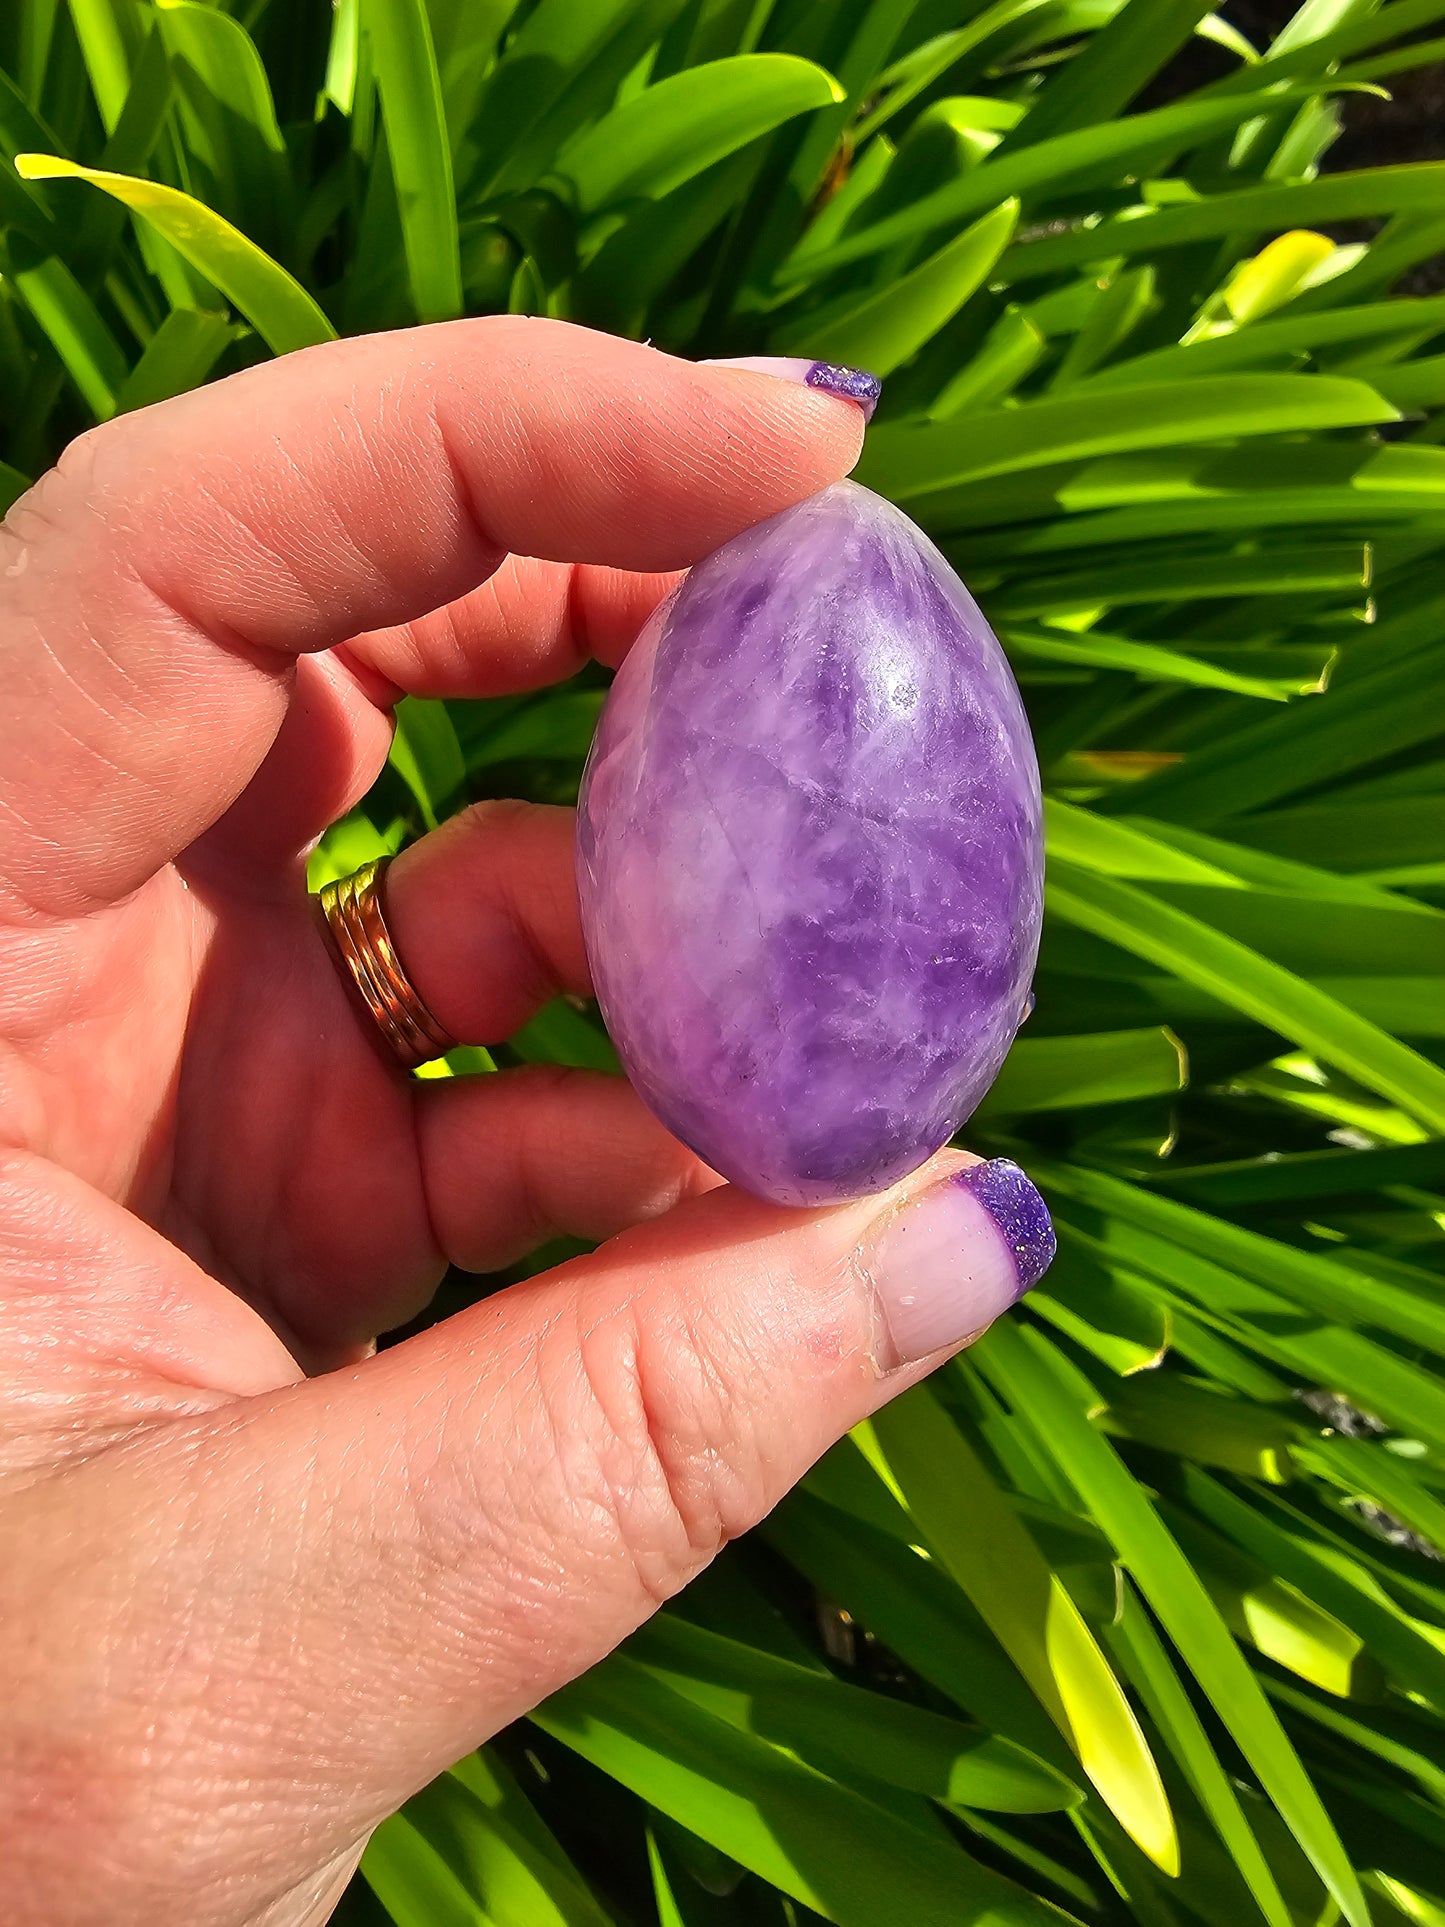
{"x":418,"y":1550}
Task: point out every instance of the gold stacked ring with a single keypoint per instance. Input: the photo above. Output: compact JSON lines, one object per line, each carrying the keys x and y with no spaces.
{"x":352,"y":908}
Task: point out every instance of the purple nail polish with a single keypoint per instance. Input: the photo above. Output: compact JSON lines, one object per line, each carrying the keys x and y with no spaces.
{"x":856,"y":384}
{"x":954,"y":1258}
{"x":1019,"y":1212}
{"x":850,"y":384}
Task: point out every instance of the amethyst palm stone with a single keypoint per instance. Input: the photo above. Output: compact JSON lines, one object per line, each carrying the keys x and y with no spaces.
{"x":809,"y":854}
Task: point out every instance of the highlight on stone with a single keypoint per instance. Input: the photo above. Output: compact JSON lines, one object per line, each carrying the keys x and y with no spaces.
{"x":810,"y":853}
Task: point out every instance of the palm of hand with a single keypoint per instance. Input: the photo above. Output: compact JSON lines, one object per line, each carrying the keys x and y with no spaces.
{"x":210,"y":1075}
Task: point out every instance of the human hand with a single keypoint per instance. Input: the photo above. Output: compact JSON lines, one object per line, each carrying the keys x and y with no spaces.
{"x":258,"y":1586}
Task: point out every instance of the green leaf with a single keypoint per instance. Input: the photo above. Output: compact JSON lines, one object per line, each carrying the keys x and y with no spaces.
{"x":1313,"y":1347}
{"x":1123,"y":304}
{"x":1177,"y":1415}
{"x":179,"y":356}
{"x":1147,"y":660}
{"x":72,"y":324}
{"x":1121,"y":849}
{"x":1085,"y":158}
{"x":427,"y":756}
{"x":560,"y":1034}
{"x":1420,"y":53}
{"x":1281,"y":1623}
{"x":1279,"y":876}
{"x":557,"y":725}
{"x":1324,"y":40}
{"x":413,"y":1882}
{"x":1282,"y":339}
{"x":343,"y":58}
{"x":884,"y":330}
{"x":1339,"y":1585}
{"x":1288,"y":264}
{"x":1139,"y":1649}
{"x":1022,"y":1364}
{"x":12,"y":486}
{"x":854,"y":1862}
{"x":1118,"y":1320}
{"x":1199,"y":495}
{"x":1308,"y":1174}
{"x":640,"y":259}
{"x":409,"y":88}
{"x":857,"y":1482}
{"x":1112,"y":68}
{"x":919,"y":68}
{"x":908,"y":460}
{"x":348,"y":844}
{"x":110,"y":33}
{"x":1372,"y":1475}
{"x":145,"y":124}
{"x":1342,"y":730}
{"x":1262,"y":570}
{"x":21,"y":127}
{"x":277,"y":306}
{"x":1404,"y":241}
{"x":671,"y":132}
{"x":234,"y":146}
{"x":477,"y":1818}
{"x":1398,"y":1837}
{"x":560,"y":69}
{"x":664,"y":1897}
{"x":1250,"y":983}
{"x":1387,"y":1735}
{"x":1411,"y":386}
{"x":1151,"y":230}
{"x":849,"y":1733}
{"x":1012,"y":347}
{"x":989,"y":1552}
{"x":1109,"y":1067}
{"x":466,"y":36}
{"x":866,"y":37}
{"x":1330,"y":939}
{"x":918,"y":1612}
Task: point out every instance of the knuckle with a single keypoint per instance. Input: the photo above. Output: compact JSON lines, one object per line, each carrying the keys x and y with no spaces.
{"x":82,"y":486}
{"x":495,"y":816}
{"x":35,"y":518}
{"x":668,"y":1441}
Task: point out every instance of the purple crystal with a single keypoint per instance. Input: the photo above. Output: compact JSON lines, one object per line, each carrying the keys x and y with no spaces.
{"x":809,"y":854}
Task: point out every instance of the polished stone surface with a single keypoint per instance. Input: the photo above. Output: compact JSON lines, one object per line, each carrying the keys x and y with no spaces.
{"x":810,"y":854}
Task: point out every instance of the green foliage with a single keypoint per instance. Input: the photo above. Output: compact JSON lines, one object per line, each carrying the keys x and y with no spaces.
{"x":1151,"y":1578}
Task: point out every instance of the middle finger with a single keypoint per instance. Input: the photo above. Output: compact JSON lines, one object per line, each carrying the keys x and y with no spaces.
{"x":530,"y":623}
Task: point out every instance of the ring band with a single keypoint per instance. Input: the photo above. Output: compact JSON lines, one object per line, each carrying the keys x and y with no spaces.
{"x":352,"y":908}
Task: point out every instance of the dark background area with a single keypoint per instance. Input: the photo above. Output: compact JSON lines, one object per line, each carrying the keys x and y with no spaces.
{"x":1408,"y":126}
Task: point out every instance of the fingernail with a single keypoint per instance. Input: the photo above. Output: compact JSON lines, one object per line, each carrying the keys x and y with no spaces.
{"x":853,"y":384}
{"x":954,"y":1258}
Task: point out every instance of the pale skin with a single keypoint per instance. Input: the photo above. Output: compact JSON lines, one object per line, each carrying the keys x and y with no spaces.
{"x":256,"y":1584}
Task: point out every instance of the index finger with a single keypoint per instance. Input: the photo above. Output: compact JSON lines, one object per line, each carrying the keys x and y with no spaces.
{"x":159,"y":583}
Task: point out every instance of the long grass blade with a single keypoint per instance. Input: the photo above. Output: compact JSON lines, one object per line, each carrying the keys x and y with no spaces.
{"x":276,"y":305}
{"x":1023,"y":1365}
